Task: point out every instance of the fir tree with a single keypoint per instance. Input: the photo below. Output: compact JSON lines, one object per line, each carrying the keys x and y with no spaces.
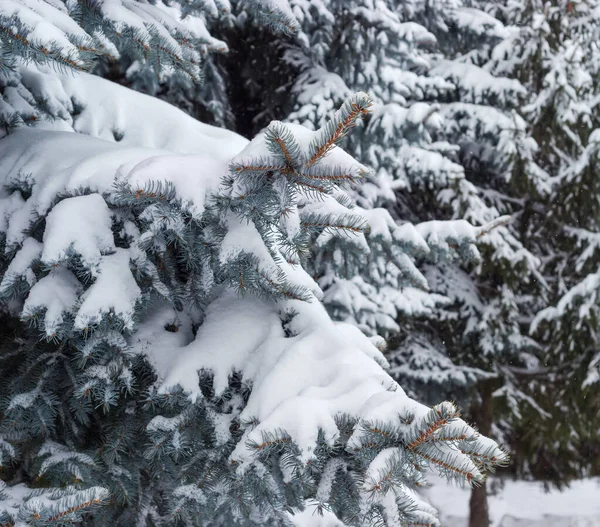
{"x":554,"y":54}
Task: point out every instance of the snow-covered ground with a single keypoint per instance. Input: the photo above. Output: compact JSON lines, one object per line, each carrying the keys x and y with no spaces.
{"x":523,"y":504}
{"x":515,"y":504}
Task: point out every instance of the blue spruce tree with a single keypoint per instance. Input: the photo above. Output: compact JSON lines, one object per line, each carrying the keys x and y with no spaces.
{"x":166,"y":356}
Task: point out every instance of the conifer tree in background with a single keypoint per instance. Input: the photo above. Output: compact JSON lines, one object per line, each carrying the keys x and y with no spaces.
{"x":498,"y":157}
{"x":166,"y":358}
{"x":553,"y":51}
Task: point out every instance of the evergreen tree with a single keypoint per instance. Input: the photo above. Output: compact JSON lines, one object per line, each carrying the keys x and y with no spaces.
{"x":166,"y":357}
{"x":554,"y":53}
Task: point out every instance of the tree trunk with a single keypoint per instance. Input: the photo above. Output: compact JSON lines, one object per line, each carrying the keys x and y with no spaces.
{"x":482,"y":414}
{"x":479,"y":514}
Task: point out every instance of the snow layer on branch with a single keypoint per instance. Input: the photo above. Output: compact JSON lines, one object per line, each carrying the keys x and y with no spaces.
{"x":219,"y":350}
{"x":412,"y":122}
{"x":46,"y":24}
{"x":317,"y":92}
{"x":376,"y":308}
{"x":34,"y":505}
{"x":421,"y":361}
{"x":312,"y":517}
{"x":588,"y":242}
{"x":299,"y":384}
{"x":81,"y":224}
{"x":151,"y":338}
{"x":93,"y":164}
{"x":194,"y":178}
{"x":100,"y":108}
{"x":115,"y":290}
{"x":132,"y":117}
{"x":20,"y":264}
{"x":478,"y":22}
{"x":403,"y":86}
{"x":55,"y":454}
{"x":52,"y":32}
{"x":57,"y":293}
{"x":477,"y":86}
{"x":583,"y":297}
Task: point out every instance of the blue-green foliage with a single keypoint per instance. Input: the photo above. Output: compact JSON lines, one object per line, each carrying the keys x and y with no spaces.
{"x":161,"y":43}
{"x":87,"y":268}
{"x":83,"y":419}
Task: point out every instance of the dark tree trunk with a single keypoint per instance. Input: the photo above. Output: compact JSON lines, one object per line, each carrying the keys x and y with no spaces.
{"x":482,"y":414}
{"x":479,"y":514}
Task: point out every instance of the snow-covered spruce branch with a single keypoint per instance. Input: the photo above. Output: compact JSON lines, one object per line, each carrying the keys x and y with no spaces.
{"x":174,"y":36}
{"x":494,"y":224}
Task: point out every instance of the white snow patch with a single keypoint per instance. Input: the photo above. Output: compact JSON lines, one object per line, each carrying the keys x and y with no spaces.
{"x":522,"y":504}
{"x":57,"y":293}
{"x":81,"y":224}
{"x":20,"y":264}
{"x":114,"y":290}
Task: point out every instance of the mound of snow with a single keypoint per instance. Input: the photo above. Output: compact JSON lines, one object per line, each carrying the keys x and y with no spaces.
{"x":522,"y":504}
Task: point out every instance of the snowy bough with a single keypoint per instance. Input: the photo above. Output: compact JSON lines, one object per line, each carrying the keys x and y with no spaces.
{"x":187,"y":371}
